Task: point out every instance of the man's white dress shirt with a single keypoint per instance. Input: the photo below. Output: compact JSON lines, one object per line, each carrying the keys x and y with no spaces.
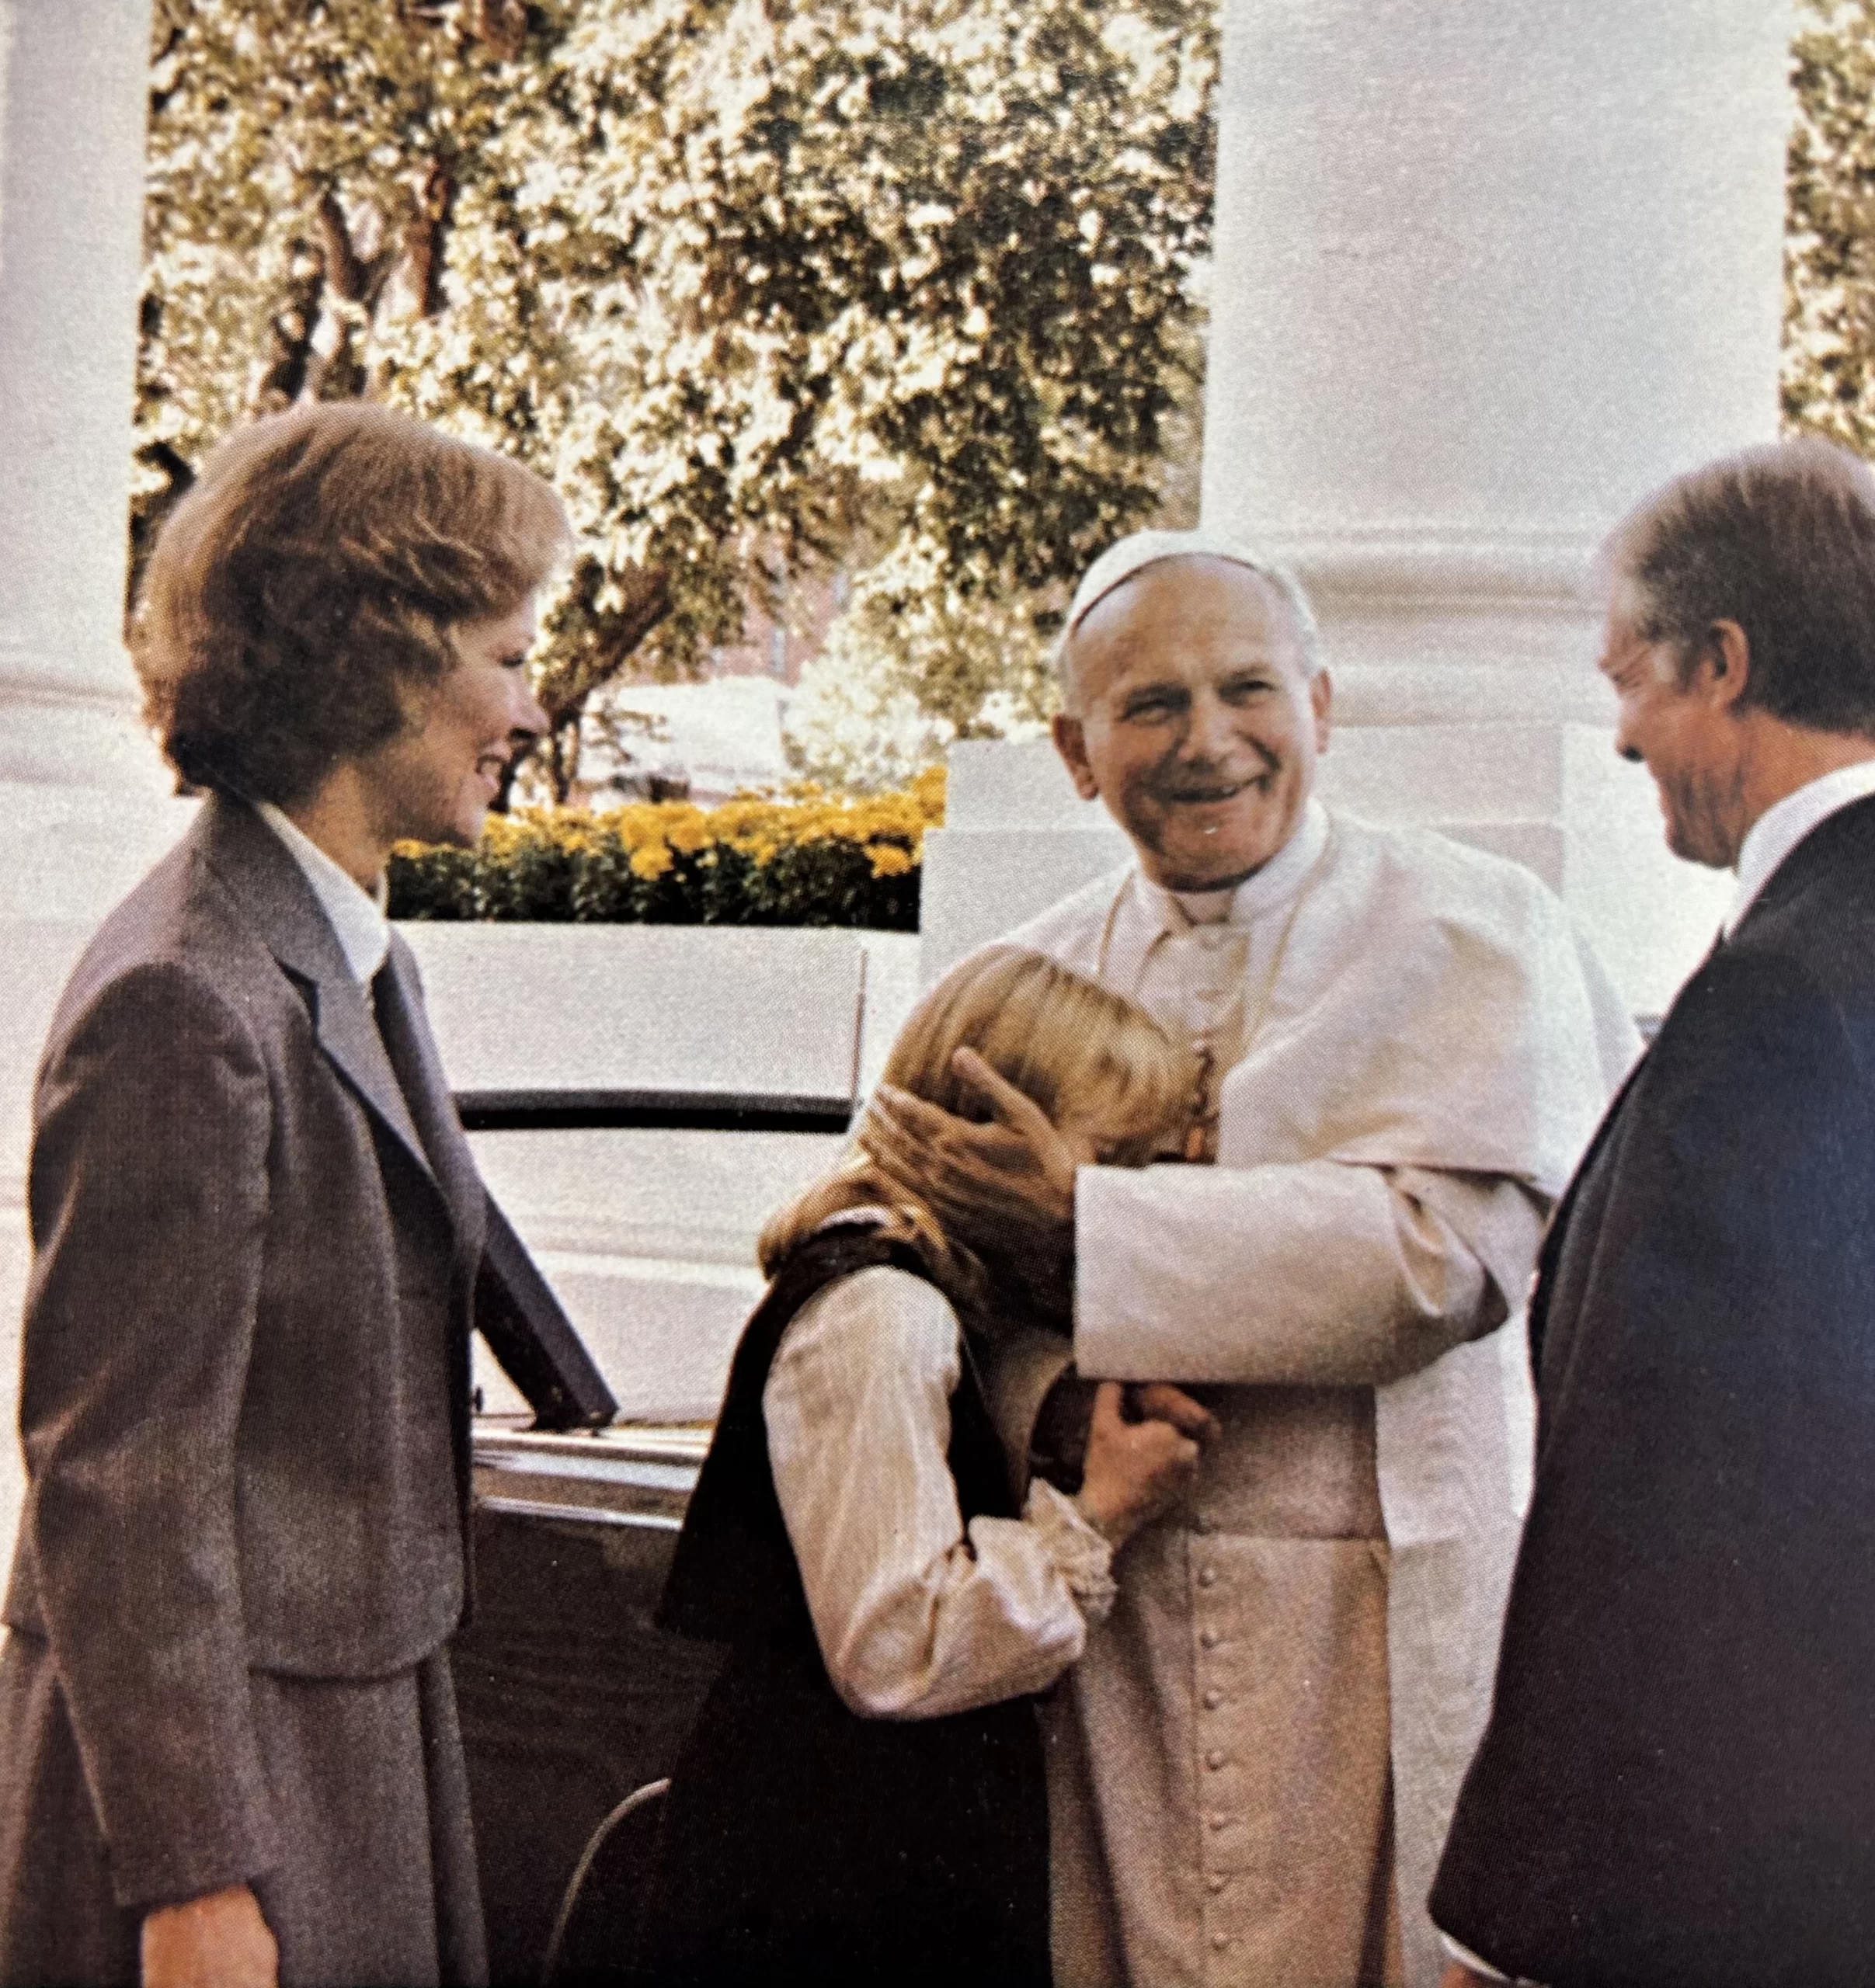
{"x":1783,"y":825}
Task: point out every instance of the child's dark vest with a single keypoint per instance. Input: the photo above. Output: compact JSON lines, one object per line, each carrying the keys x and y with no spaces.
{"x":799,"y":1841}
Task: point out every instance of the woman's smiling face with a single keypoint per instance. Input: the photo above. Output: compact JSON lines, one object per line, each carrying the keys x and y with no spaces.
{"x":1193,"y":716}
{"x":433,"y":781}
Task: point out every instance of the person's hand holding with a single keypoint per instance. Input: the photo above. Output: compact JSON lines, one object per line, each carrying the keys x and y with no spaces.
{"x":1161,"y":1401}
{"x":221,"y":1940}
{"x":1135,"y":1470}
{"x":1005,"y":1189}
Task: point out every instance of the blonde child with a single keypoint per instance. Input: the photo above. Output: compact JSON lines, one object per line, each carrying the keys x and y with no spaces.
{"x":862,"y":1799}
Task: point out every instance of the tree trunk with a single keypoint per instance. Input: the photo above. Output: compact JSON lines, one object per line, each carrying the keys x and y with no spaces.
{"x":502,"y":25}
{"x":413,"y":284}
{"x":279,"y":378}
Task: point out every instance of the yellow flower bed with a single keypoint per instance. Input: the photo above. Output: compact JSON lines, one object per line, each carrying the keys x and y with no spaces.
{"x":811,"y":858}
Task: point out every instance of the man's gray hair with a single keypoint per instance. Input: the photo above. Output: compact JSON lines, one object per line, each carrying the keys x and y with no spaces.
{"x":1128,"y":556}
{"x":1779,"y":539}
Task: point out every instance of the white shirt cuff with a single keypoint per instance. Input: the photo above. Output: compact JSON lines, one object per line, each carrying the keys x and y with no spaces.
{"x":1079,"y":1550}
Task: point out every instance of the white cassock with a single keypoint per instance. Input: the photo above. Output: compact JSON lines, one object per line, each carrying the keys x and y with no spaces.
{"x":1253,"y":1767}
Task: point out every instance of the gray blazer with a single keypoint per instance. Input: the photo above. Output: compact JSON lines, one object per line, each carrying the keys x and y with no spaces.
{"x":244,"y":1391}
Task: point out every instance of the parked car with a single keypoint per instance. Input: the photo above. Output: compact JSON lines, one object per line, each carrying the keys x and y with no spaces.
{"x":570,"y":1698}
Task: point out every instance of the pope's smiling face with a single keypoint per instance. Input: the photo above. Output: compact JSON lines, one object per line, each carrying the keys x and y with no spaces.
{"x":1192,"y":715}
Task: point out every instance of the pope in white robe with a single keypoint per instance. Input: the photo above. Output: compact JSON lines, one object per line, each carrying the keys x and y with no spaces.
{"x":1405,"y":1045}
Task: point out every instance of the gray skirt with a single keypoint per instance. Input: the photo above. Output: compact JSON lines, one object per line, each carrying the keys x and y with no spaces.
{"x":378,"y":1885}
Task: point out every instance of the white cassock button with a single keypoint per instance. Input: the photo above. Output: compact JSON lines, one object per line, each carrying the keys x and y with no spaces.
{"x":1219,"y":1941}
{"x":1207,"y":1577}
{"x":1209,"y":1639}
{"x":1215,"y":1758}
{"x":1214,"y":1883}
{"x":1213,"y":1700}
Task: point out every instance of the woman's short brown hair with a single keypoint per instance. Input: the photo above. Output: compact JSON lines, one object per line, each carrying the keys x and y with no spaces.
{"x":316,"y":567}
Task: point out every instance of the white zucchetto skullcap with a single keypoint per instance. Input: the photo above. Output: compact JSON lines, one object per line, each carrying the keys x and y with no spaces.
{"x":1127,"y":556}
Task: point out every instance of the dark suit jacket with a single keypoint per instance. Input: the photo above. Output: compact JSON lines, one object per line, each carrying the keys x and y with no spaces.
{"x":1677,"y":1782}
{"x":244,"y":1401}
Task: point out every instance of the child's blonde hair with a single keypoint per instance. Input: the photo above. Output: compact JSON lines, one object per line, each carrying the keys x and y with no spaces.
{"x":1075,"y":1048}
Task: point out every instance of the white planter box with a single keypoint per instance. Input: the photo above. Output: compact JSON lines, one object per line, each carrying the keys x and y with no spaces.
{"x":649,"y":1237}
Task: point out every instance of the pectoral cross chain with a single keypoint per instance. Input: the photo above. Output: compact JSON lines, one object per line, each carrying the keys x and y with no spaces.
{"x":1200,"y":1132}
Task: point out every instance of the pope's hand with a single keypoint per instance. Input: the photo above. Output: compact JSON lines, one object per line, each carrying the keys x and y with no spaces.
{"x":1005,"y":1189}
{"x":1136,"y":1470}
{"x":1160,"y":1401}
{"x":218,"y":1940}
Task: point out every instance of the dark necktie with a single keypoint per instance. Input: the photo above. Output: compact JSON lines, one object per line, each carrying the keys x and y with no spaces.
{"x":387,"y":1003}
{"x":397,"y":1033}
{"x":431,"y":1109}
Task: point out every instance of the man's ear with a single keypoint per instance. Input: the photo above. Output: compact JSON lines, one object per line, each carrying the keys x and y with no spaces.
{"x":1723,"y":666}
{"x":1071,"y":743}
{"x":1321,"y":697}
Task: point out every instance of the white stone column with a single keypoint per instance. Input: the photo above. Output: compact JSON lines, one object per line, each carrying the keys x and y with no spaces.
{"x":1488,"y":271}
{"x":82,"y":788}
{"x":83,"y":794}
{"x":72,"y":101}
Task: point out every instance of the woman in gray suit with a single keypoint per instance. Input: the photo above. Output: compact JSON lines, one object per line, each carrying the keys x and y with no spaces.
{"x":228,"y":1747}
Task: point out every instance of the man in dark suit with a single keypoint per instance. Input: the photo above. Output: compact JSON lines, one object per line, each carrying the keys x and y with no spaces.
{"x":228,"y":1749}
{"x":1677,"y":1785}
